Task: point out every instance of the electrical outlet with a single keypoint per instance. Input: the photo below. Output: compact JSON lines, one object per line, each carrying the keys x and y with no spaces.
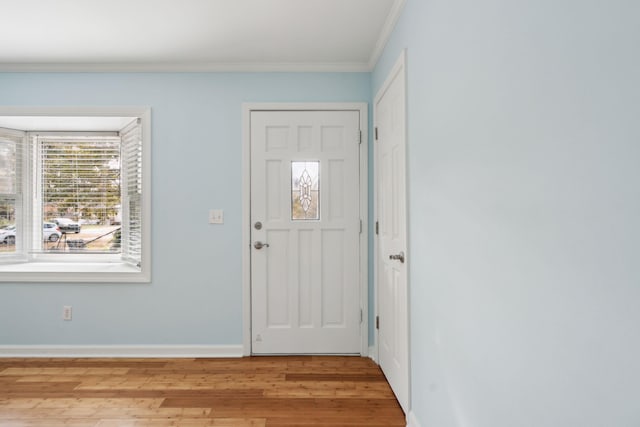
{"x":66,"y":312}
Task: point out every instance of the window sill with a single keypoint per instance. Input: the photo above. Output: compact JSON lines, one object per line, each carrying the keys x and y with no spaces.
{"x":105,"y":272}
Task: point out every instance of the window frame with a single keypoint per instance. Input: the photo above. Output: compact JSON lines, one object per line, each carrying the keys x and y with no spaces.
{"x":106,"y":268}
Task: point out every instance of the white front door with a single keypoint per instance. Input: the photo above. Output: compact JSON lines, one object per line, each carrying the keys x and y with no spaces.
{"x":393,"y":306}
{"x":305,"y":230}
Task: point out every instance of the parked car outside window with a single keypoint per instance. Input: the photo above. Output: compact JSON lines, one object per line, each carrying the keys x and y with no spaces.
{"x":67,"y":225}
{"x":50,"y":233}
{"x":8,"y":235}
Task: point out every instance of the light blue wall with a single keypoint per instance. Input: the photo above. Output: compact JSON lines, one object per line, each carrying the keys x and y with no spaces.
{"x":524,"y":204}
{"x":196,"y":293}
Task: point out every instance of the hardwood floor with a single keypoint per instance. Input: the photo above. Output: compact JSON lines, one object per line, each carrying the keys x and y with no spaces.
{"x":252,"y":391}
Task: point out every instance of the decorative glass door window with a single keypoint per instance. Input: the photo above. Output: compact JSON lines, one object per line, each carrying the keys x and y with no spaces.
{"x":305,"y":191}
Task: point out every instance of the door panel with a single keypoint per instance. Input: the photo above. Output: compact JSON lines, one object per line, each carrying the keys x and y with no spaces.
{"x":393,"y":306}
{"x":305,"y":192}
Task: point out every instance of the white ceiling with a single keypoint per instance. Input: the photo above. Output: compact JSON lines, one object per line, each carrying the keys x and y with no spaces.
{"x":194,"y":35}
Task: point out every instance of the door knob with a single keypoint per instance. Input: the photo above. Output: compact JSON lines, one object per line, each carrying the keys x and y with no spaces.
{"x":260,"y":245}
{"x":399,"y":257}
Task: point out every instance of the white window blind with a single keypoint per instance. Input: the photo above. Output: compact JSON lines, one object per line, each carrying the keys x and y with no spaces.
{"x":131,"y":137}
{"x":10,"y":186}
{"x":80,"y":182}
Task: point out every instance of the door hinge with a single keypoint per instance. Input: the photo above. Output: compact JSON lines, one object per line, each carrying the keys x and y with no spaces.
{"x":360,"y":315}
{"x":377,"y":322}
{"x":376,"y":133}
{"x":360,"y":226}
{"x":360,"y":137}
{"x":377,"y":227}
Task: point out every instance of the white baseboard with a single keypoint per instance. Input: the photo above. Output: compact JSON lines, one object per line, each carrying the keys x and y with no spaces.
{"x":120,"y":351}
{"x":412,"y":420}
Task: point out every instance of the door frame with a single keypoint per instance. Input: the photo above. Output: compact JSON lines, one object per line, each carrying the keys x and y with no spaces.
{"x":398,"y":68}
{"x":247,"y":108}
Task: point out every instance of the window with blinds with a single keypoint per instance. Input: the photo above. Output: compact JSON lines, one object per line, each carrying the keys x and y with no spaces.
{"x":81,"y":180}
{"x":92,"y":190}
{"x":74,"y":205}
{"x":131,"y":138}
{"x":10,"y":188}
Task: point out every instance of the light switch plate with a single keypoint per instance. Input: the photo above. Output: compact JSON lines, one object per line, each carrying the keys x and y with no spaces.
{"x":216,"y":216}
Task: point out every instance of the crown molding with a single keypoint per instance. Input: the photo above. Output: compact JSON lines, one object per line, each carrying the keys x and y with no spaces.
{"x":195,"y":67}
{"x":385,"y":34}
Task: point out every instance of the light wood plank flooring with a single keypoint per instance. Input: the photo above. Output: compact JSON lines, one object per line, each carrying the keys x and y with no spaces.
{"x":252,"y":391}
